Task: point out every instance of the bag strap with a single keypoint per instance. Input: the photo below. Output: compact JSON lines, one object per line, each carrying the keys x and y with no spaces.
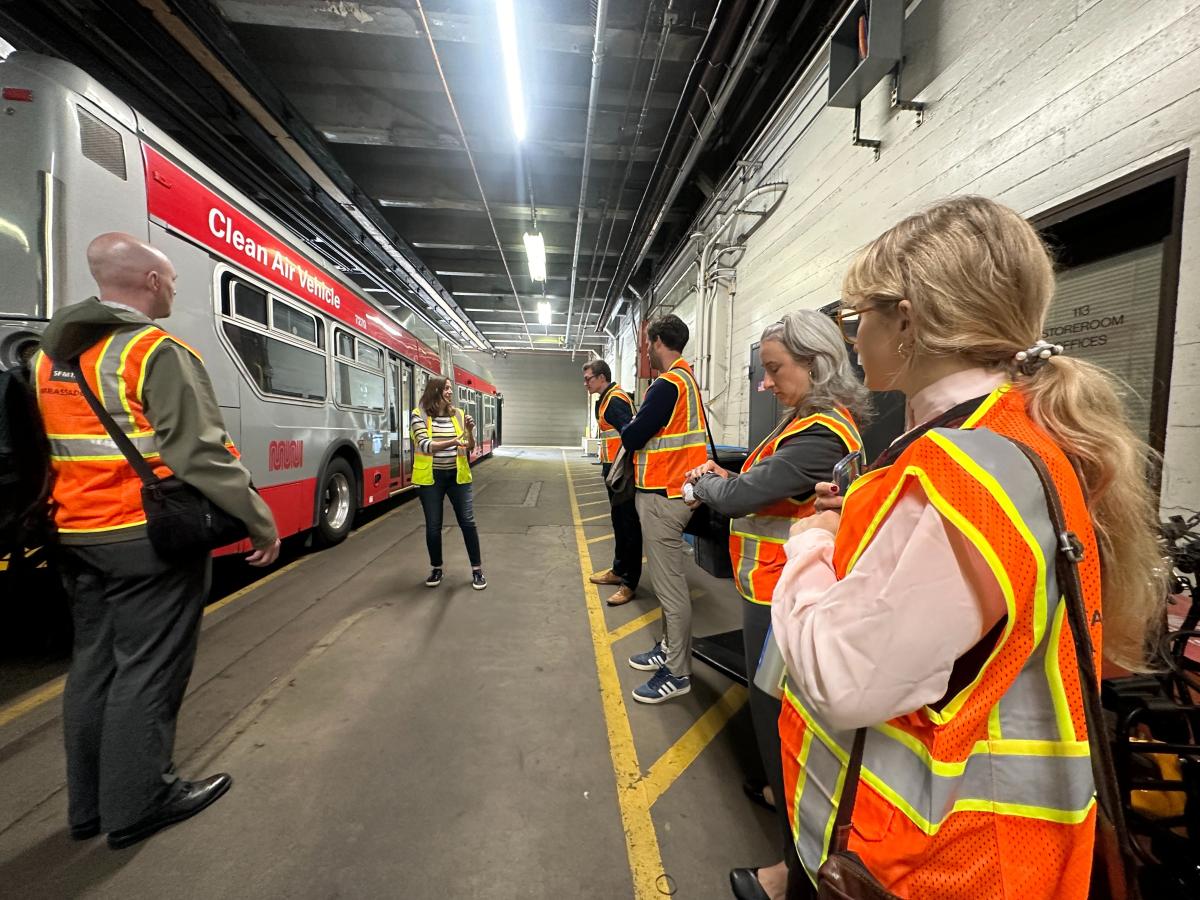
{"x":1067,"y":559}
{"x":839,"y":841}
{"x":119,"y":437}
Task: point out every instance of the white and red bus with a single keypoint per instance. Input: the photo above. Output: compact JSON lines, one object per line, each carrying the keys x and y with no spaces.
{"x":315,"y":381}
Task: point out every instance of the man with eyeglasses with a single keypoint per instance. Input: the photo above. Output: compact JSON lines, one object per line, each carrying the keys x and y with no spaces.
{"x":614,"y":412}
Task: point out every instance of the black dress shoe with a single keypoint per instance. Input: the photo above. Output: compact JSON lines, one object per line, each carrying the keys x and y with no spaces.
{"x":745,"y":885}
{"x":194,"y":796}
{"x":86,"y":831}
{"x":756,"y":795}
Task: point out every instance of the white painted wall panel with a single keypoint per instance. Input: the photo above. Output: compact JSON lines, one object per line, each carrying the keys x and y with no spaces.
{"x":1029,"y":103}
{"x":545,"y":403}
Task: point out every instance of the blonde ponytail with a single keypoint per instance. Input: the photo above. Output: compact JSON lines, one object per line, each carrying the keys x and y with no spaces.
{"x":980,"y":282}
{"x":1079,"y":406}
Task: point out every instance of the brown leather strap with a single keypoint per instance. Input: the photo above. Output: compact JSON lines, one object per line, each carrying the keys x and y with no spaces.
{"x":839,"y":841}
{"x":1070,"y":552}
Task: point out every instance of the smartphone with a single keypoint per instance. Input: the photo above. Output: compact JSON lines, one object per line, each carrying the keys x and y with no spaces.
{"x":847,"y":469}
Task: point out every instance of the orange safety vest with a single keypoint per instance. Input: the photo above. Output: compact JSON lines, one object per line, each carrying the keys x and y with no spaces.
{"x":989,"y":795}
{"x":756,"y":540}
{"x":95,"y":488}
{"x":681,"y":445}
{"x":610,"y":438}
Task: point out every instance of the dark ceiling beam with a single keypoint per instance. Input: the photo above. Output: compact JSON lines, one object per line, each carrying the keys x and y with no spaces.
{"x":499,"y":210}
{"x":424,"y":139}
{"x":390,"y":21}
{"x":517,"y":247}
{"x":552,"y":95}
{"x":455,"y":273}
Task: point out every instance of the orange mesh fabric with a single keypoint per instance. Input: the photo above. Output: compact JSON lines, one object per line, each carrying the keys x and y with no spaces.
{"x":996,"y":853}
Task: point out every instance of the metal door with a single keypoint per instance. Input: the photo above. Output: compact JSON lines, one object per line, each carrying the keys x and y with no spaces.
{"x":764,"y":408}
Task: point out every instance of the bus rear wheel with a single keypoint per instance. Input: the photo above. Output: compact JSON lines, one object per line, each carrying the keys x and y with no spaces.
{"x":338,"y":503}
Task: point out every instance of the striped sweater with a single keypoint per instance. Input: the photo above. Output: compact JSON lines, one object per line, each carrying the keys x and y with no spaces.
{"x":423,"y":437}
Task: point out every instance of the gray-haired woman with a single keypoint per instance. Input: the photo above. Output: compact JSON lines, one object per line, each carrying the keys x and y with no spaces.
{"x":807,"y":368}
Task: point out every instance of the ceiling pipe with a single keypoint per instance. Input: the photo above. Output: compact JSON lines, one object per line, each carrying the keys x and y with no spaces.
{"x":679,"y":153}
{"x":593,"y":101}
{"x":664,"y":35}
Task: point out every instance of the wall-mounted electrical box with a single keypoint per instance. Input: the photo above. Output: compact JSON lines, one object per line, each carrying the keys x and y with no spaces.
{"x":864,"y":48}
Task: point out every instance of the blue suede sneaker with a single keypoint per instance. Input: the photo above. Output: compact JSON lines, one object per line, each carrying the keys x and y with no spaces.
{"x":663,"y":686}
{"x":651,"y":660}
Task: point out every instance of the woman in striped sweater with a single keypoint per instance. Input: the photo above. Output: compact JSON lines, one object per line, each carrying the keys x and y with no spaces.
{"x":442,"y":437}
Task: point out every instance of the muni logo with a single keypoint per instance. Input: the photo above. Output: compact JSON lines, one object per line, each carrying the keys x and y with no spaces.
{"x":285,"y":455}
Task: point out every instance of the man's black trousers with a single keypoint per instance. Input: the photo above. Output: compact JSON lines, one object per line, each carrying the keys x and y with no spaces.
{"x":137,"y":621}
{"x":627,"y":538}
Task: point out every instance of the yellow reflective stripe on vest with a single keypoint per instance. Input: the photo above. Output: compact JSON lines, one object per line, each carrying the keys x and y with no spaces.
{"x":675,"y":442}
{"x":773,"y":529}
{"x":109,"y":371}
{"x":1045,"y":780}
{"x":81,"y":447}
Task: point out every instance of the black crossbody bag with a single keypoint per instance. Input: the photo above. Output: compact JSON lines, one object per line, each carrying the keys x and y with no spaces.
{"x":180,"y":521}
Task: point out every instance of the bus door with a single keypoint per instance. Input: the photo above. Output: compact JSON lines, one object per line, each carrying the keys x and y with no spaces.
{"x":398,"y":406}
{"x":407,"y":383}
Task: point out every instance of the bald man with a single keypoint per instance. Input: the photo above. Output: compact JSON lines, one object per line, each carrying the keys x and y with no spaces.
{"x":136,"y":614}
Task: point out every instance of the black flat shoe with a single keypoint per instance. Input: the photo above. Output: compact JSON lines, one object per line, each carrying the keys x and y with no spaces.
{"x":744,"y":883}
{"x":86,"y":831}
{"x":194,"y":797}
{"x":756,"y":796}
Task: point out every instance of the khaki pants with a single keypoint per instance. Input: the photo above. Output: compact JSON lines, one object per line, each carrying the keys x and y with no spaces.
{"x":663,"y":521}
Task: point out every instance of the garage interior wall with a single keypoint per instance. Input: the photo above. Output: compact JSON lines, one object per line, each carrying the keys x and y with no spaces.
{"x":545,"y":403}
{"x":1032,"y":104}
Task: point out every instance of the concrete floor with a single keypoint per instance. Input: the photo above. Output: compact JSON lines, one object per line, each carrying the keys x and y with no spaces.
{"x":388,"y":740}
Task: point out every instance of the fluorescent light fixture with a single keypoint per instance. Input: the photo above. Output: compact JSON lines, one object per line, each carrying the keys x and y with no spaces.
{"x":535,"y":250}
{"x":512,"y":65}
{"x":544,"y":313}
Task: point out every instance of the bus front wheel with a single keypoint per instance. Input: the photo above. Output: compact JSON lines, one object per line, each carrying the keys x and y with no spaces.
{"x":338,"y":503}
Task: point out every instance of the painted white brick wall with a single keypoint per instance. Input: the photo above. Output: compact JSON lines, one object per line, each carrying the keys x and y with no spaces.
{"x":1031,"y":103}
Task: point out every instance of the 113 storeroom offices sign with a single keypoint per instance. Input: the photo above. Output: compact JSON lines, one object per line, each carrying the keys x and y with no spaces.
{"x":1107,"y":313}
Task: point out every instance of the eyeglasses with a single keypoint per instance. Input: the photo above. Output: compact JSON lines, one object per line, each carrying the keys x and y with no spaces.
{"x":587,"y":378}
{"x":848,"y":318}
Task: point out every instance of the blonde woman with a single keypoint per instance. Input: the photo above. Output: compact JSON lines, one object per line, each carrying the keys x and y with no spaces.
{"x":927,"y":612}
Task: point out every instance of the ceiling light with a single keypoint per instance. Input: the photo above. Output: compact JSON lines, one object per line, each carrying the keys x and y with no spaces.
{"x":544,"y":313}
{"x":512,"y":65}
{"x":535,"y":249}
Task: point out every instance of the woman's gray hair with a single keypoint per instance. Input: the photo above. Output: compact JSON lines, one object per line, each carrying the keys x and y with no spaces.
{"x":813,"y":338}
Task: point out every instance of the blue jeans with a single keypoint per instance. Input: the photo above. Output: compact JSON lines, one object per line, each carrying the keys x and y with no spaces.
{"x":445,"y":482}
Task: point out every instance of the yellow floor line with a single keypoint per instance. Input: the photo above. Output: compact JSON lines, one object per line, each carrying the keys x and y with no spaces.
{"x":683,"y":753}
{"x":595,"y":518}
{"x":636,"y":625}
{"x":641,"y":841}
{"x":603,"y":537}
{"x":29,"y":702}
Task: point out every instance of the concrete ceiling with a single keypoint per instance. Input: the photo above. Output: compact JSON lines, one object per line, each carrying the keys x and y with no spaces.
{"x":333,"y":115}
{"x":364,"y":77}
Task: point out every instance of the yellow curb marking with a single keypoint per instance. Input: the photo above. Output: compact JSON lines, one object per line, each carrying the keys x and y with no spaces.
{"x":634,"y":626}
{"x":641,"y":840}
